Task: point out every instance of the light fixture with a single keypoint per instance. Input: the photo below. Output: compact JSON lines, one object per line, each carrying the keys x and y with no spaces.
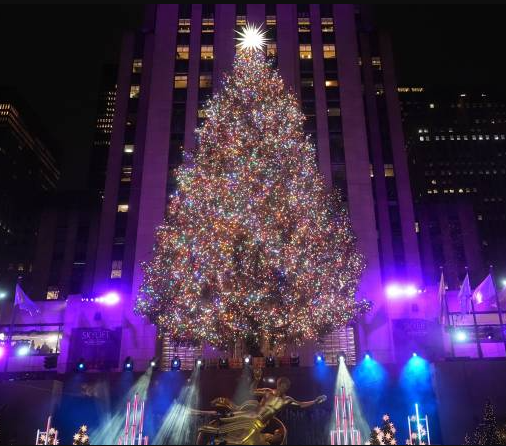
{"x":24,"y":350}
{"x":199,"y":363}
{"x":128,"y":366}
{"x":415,"y":355}
{"x":153,"y":363}
{"x":368,"y":356}
{"x":3,"y":294}
{"x":175,"y":364}
{"x":270,"y":361}
{"x":223,"y":363}
{"x":247,"y":361}
{"x":2,"y":352}
{"x":461,"y":336}
{"x":81,"y":365}
{"x":400,"y":290}
{"x":319,"y":359}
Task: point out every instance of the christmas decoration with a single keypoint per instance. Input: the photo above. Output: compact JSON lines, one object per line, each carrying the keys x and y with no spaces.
{"x":419,"y":433}
{"x":133,"y":432}
{"x":384,"y":434}
{"x":82,"y":438}
{"x":253,"y":246}
{"x":487,"y":431}
{"x":49,"y":437}
{"x":345,"y":431}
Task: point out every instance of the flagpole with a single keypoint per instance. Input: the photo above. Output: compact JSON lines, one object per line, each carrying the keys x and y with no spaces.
{"x":476,"y":330}
{"x":450,"y":322}
{"x":11,"y":328}
{"x":498,"y":302}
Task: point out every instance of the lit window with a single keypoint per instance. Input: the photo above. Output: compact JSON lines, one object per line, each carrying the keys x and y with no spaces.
{"x":180,"y":81}
{"x":305,"y":52}
{"x":122,"y":208}
{"x":331,"y":83}
{"x":272,"y":49}
{"x":128,"y":148}
{"x":334,"y":111}
{"x":205,"y":81}
{"x":184,"y":26}
{"x":53,"y":293}
{"x":202,"y":113}
{"x":116,"y":269}
{"x":417,"y":226}
{"x":329,"y":51}
{"x":431,"y":105}
{"x":270,"y":20}
{"x":307,"y":82}
{"x":371,"y":171}
{"x":206,"y":52}
{"x":135,"y":91}
{"x":304,"y":25}
{"x":126,"y":174}
{"x":208,"y":25}
{"x":240,"y":20}
{"x":376,"y":62}
{"x":137,"y":66}
{"x":389,"y":170}
{"x":422,"y":138}
{"x":182,"y":52}
{"x":327,"y":25}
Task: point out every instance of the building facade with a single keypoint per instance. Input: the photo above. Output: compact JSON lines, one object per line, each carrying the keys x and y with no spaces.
{"x":341,"y":69}
{"x":456,"y":142}
{"x":28,"y":172}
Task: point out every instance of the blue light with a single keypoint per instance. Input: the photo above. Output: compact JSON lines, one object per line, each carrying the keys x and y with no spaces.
{"x":23,"y":351}
{"x":80,"y":366}
{"x":368,"y":356}
{"x":319,"y":358}
{"x":460,"y":336}
{"x":415,"y":355}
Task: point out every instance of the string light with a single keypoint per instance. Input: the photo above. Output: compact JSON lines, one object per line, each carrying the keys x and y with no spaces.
{"x":253,"y":246}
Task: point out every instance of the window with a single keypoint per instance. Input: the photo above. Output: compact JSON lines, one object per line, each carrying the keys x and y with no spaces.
{"x":304,"y":25}
{"x":128,"y":148}
{"x":376,"y":62}
{"x":205,"y":81}
{"x":180,"y":81}
{"x":240,"y":20}
{"x":389,"y":170}
{"x":334,"y":111}
{"x":306,"y":82}
{"x":331,"y":83}
{"x":272,"y":49}
{"x":135,"y":91}
{"x":126,"y":174}
{"x":53,"y":293}
{"x":182,"y":52}
{"x":183,"y":26}
{"x":206,"y":52}
{"x":207,"y":25}
{"x":305,"y":52}
{"x":122,"y":208}
{"x":137,"y":66}
{"x":116,"y":269}
{"x":329,"y":51}
{"x":270,"y":20}
{"x":327,"y":25}
{"x":417,"y":225}
{"x":431,"y":105}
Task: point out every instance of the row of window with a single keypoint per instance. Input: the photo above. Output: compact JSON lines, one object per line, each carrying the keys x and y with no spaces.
{"x":464,"y":138}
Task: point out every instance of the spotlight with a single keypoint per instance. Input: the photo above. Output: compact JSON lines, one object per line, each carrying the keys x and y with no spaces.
{"x":2,"y":352}
{"x":415,"y":355}
{"x":223,"y":363}
{"x":490,"y":335}
{"x":81,"y":365}
{"x":175,"y":364}
{"x":128,"y":366}
{"x":319,"y":359}
{"x":24,"y":350}
{"x":460,"y":336}
{"x":199,"y":363}
{"x":503,"y":281}
{"x":294,"y":360}
{"x":367,"y":356}
{"x":270,"y":361}
{"x":3,"y":294}
{"x":153,"y":363}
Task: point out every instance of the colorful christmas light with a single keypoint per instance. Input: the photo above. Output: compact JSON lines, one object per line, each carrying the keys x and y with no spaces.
{"x":253,"y":246}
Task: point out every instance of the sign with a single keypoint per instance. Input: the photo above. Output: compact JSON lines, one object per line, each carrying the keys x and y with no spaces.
{"x":417,"y":336}
{"x":99,"y":347}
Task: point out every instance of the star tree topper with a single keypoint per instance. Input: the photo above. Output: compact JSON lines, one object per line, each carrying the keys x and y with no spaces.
{"x":251,"y":38}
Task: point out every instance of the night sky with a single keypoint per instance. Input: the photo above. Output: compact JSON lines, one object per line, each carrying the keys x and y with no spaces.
{"x":53,"y":55}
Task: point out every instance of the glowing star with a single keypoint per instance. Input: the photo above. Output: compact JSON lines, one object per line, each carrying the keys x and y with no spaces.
{"x":251,"y":38}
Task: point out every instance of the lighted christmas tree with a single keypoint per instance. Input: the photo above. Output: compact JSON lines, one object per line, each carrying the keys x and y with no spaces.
{"x":487,"y":431}
{"x":254,"y":245}
{"x":82,"y":438}
{"x":384,"y":434}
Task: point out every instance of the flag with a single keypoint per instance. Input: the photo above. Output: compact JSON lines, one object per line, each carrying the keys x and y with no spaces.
{"x":442,"y":299}
{"x":24,"y":302}
{"x":465,"y":294}
{"x":485,"y":291}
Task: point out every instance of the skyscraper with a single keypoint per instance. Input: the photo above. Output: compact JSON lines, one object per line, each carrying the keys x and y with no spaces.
{"x":28,"y":172}
{"x":456,"y":142}
{"x":341,"y":68}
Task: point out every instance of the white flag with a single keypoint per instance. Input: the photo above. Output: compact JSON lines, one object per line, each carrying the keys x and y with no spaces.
{"x":24,"y":302}
{"x":442,"y":299}
{"x":485,"y":291}
{"x":465,"y":294}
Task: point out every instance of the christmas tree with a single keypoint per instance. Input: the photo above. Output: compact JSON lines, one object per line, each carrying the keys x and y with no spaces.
{"x":50,"y":437}
{"x":487,"y":431}
{"x":253,"y":246}
{"x":82,"y":436}
{"x":384,"y":434}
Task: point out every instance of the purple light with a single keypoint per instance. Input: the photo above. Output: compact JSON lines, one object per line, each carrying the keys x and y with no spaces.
{"x":399,"y":290}
{"x":110,"y":299}
{"x":2,"y":352}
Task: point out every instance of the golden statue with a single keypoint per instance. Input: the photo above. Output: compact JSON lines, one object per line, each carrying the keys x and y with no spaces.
{"x":247,"y":424}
